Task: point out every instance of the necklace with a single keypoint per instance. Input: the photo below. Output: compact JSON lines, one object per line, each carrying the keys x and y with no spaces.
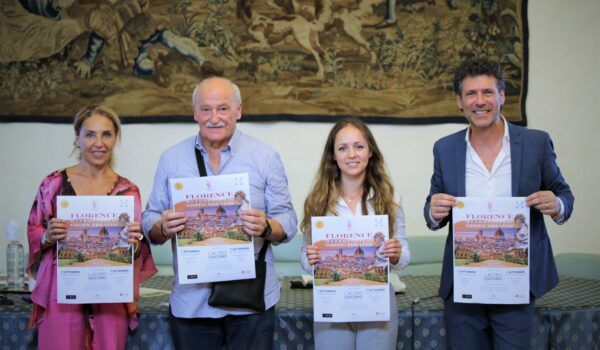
{"x":351,"y":199}
{"x":111,"y":187}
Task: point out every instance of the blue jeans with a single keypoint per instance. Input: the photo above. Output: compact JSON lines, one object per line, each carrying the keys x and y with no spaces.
{"x":254,"y":331}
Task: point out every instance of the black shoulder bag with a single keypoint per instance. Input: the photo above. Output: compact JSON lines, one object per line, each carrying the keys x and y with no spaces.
{"x":248,"y":293}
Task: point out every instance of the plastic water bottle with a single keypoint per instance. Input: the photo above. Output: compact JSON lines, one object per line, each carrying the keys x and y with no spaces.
{"x":15,"y":257}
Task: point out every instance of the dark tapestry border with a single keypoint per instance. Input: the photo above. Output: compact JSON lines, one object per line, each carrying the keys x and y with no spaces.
{"x":256,"y":118}
{"x":525,"y":81}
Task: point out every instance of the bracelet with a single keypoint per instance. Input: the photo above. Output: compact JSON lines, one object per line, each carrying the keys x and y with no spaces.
{"x":43,"y":239}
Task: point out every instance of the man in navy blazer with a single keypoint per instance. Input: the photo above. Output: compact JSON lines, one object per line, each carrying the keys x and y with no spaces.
{"x":493,"y":158}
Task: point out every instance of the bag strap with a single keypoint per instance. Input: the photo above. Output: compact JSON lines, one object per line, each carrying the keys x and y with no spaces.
{"x":263,"y":250}
{"x":200,"y":161}
{"x":202,"y":171}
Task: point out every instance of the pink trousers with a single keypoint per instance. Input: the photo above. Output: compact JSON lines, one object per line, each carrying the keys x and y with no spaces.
{"x":66,"y":326}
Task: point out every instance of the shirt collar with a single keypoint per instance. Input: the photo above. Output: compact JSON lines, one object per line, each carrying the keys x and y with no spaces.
{"x":505,"y":138}
{"x":232,"y":146}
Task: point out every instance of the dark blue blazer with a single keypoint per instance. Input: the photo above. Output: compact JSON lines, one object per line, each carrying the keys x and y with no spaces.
{"x":534,"y":168}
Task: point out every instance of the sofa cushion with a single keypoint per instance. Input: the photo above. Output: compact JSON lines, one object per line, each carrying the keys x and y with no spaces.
{"x":426,"y":249}
{"x":162,"y":254}
{"x":429,"y":269}
{"x":427,"y":254}
{"x":582,"y":265}
{"x":287,"y":257}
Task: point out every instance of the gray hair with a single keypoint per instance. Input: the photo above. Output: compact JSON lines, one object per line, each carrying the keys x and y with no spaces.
{"x":236,"y":90}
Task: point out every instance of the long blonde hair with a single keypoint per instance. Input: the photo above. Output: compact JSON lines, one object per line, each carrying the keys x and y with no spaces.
{"x":325,"y":189}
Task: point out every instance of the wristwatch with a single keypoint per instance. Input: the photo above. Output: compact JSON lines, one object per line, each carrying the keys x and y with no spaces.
{"x":267,"y":232}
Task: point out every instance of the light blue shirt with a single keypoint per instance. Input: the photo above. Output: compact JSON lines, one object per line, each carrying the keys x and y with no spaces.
{"x":268,"y":192}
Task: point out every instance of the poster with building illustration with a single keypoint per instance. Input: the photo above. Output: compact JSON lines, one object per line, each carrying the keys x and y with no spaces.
{"x":350,"y":281}
{"x":491,"y":250}
{"x":95,"y":261}
{"x":213,"y":245}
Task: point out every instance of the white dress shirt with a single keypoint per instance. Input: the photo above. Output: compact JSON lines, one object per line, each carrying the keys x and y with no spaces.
{"x":480,"y":182}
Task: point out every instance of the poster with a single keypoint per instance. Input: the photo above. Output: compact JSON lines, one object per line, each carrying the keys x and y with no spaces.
{"x":351,"y":279}
{"x":95,"y":261}
{"x":213,"y":245}
{"x":491,"y":250}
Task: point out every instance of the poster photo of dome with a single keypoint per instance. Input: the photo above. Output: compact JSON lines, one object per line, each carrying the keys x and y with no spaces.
{"x":212,"y":225}
{"x":99,"y":245}
{"x":489,"y":247}
{"x":352,"y":265}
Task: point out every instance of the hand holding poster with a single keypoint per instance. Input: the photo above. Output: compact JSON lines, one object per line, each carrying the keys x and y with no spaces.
{"x":351,"y":281}
{"x":491,"y":250}
{"x":95,"y":261}
{"x":213,"y":245}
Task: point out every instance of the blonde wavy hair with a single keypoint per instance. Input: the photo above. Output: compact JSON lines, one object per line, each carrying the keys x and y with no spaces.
{"x":325,"y":189}
{"x":89,"y":111}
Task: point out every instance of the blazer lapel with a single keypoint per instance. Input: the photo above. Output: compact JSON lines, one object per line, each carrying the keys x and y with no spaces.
{"x":461,"y":167}
{"x":516,"y":157}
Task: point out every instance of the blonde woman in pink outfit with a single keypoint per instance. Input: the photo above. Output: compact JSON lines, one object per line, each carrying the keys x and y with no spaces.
{"x":93,"y":326}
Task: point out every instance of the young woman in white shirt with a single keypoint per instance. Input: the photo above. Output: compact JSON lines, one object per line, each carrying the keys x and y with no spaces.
{"x":352,"y":180}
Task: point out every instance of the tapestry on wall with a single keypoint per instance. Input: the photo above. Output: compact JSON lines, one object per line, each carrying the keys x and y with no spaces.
{"x":387,"y":61}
